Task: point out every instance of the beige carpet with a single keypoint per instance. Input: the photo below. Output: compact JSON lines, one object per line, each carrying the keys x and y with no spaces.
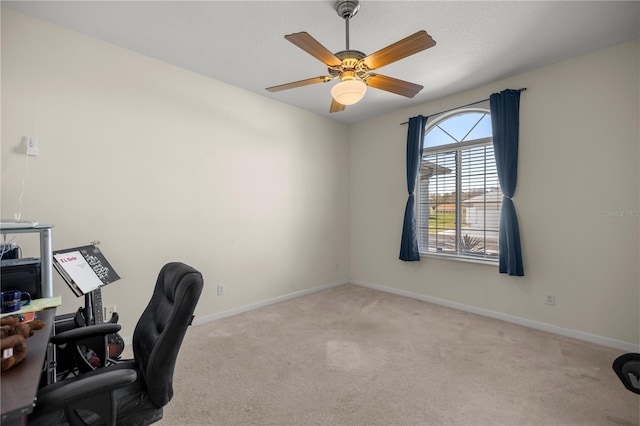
{"x":355,"y":356}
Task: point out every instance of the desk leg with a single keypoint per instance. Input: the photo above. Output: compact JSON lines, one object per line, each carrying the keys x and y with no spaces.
{"x":46,"y":260}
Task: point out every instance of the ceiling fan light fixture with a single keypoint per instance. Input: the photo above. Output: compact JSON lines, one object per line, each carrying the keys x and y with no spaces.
{"x":349,"y":91}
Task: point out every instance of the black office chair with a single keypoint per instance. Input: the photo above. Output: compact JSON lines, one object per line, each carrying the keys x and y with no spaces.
{"x":627,"y":367}
{"x":131,"y":392}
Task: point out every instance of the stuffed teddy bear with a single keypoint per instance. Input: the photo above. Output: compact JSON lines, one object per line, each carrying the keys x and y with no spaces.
{"x":13,"y":340}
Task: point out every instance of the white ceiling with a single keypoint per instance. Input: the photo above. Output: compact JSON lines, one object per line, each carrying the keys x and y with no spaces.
{"x":242,"y":42}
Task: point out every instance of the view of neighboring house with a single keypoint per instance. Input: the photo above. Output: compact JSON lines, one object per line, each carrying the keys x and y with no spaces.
{"x":443,"y":208}
{"x":483,"y":211}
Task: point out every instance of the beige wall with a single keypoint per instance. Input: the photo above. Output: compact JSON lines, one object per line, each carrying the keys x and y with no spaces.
{"x":578,"y":168}
{"x":161,"y":164}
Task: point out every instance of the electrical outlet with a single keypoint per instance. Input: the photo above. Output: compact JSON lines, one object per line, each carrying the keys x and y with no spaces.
{"x":220,"y":289}
{"x":550,"y":299}
{"x":108,"y":311}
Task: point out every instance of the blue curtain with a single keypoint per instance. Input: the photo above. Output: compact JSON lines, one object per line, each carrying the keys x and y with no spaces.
{"x":415,"y":138}
{"x":505,"y":122}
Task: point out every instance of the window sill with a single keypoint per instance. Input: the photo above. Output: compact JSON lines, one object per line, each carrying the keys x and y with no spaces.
{"x":449,"y":257}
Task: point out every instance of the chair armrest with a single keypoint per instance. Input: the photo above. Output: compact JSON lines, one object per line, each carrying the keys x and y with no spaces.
{"x":85,"y":332}
{"x":85,"y":387}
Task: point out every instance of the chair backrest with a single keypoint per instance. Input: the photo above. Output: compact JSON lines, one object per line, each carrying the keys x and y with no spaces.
{"x":162,"y":326}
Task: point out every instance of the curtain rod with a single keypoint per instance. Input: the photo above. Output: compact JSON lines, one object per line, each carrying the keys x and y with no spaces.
{"x":463,"y":106}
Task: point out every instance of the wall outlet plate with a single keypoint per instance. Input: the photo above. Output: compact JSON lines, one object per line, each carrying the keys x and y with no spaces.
{"x":32,"y":146}
{"x":108,"y":311}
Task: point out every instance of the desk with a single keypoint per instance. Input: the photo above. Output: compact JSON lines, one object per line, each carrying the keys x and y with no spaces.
{"x":20,"y":383}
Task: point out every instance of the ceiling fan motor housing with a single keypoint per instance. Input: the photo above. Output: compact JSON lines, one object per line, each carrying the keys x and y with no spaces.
{"x":351,"y":61}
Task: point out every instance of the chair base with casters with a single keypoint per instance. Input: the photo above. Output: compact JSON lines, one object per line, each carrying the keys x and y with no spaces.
{"x":627,"y":367}
{"x":131,"y":392}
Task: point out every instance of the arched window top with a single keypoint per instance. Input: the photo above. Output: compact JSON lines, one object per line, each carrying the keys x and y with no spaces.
{"x":462,"y":125}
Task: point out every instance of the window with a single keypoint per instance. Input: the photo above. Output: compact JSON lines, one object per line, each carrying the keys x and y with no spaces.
{"x":459,"y":197}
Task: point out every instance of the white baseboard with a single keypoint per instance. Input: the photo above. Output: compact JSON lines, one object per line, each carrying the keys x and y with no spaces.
{"x":246,"y":308}
{"x":580,"y":335}
{"x":600,"y":340}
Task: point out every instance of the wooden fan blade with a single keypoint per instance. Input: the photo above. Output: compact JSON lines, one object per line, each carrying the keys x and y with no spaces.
{"x":310,"y":45}
{"x":401,"y":49}
{"x":335,"y":106}
{"x":300,"y":83}
{"x":394,"y":85}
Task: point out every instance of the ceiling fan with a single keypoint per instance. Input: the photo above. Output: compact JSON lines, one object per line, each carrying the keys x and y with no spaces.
{"x":353,"y":68}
